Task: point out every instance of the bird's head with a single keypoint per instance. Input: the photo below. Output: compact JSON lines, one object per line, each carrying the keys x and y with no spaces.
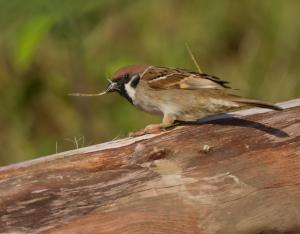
{"x":125,"y":80}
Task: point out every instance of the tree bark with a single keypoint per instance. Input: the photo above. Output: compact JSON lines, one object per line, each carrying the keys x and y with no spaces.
{"x":222,"y":175}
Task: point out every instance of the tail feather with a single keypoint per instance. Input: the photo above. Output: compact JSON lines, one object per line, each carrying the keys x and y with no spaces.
{"x":257,"y":103}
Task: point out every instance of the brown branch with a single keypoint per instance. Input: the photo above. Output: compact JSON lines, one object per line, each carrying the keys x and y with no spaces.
{"x":223,"y":175}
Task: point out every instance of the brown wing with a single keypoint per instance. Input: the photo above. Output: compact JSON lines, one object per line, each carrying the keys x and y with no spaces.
{"x":169,"y":78}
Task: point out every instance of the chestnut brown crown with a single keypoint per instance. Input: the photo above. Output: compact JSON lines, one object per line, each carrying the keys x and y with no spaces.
{"x":129,"y":71}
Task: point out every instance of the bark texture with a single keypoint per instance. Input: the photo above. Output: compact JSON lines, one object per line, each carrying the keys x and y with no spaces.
{"x":228,"y":175}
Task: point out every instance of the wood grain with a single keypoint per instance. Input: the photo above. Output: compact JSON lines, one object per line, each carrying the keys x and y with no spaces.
{"x":222,"y":175}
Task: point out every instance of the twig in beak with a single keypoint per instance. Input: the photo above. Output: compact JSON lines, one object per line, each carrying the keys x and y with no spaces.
{"x":112,"y":86}
{"x":87,"y":94}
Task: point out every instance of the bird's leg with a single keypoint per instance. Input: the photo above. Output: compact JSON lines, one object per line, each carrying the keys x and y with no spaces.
{"x":168,"y":121}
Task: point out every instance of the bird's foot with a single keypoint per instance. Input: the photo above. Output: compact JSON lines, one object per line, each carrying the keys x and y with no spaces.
{"x":154,"y":129}
{"x":150,"y":129}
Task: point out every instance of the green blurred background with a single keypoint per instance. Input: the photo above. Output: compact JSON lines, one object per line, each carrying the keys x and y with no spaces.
{"x":49,"y":48}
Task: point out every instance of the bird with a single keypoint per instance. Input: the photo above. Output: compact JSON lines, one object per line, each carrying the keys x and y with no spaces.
{"x":176,"y":94}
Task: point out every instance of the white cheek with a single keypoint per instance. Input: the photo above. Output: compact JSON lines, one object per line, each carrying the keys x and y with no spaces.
{"x":130,"y":91}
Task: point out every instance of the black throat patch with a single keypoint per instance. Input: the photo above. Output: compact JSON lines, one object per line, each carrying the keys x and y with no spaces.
{"x":122,"y":91}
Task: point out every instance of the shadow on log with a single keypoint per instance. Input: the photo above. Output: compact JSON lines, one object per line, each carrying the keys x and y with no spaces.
{"x":228,"y":175}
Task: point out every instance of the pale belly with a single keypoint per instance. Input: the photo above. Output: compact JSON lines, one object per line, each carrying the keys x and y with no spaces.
{"x":186,"y":105}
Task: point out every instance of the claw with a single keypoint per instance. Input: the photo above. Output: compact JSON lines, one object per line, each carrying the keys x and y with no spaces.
{"x":153,"y":129}
{"x":150,"y":129}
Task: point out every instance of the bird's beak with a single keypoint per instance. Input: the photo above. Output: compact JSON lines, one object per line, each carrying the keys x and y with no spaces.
{"x":111,"y":88}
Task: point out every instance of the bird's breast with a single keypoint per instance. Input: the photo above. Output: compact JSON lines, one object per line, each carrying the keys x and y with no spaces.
{"x":147,"y":104}
{"x":148,"y":100}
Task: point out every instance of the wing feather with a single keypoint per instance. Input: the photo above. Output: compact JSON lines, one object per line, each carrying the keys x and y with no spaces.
{"x":169,"y":78}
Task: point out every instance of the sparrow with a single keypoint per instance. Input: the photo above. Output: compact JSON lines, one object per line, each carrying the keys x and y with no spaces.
{"x":177,"y":94}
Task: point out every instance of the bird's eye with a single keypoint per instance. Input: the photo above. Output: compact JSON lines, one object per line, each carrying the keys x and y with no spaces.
{"x":126,"y":76}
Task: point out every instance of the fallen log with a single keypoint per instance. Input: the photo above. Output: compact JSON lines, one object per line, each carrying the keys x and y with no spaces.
{"x":225,"y":174}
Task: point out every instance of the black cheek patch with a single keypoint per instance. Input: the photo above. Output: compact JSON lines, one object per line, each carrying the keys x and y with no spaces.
{"x":135,"y":81}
